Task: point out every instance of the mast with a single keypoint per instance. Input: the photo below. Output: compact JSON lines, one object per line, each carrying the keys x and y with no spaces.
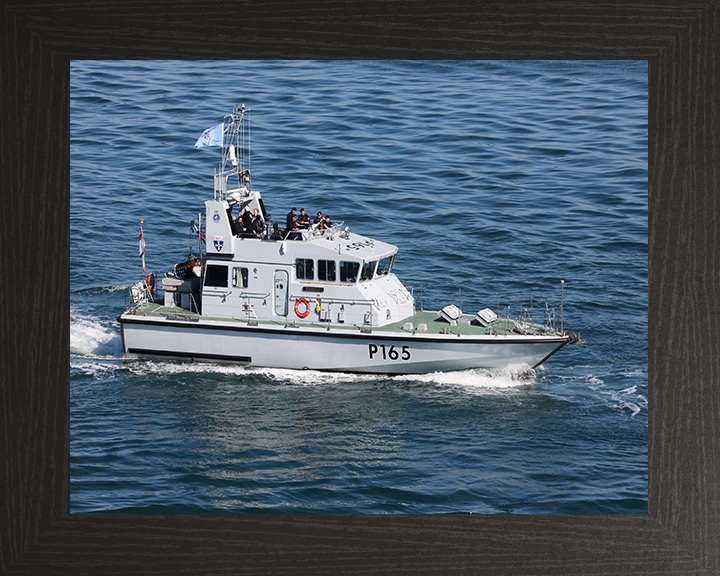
{"x":200,"y":250}
{"x":236,"y":151}
{"x":235,"y":154}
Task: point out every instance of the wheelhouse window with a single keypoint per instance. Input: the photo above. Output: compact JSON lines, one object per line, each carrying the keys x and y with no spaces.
{"x":326,"y":270}
{"x":385,"y":265}
{"x":240,"y":277}
{"x":216,"y":275}
{"x":349,"y":271}
{"x":304,"y":269}
{"x":368,"y":270}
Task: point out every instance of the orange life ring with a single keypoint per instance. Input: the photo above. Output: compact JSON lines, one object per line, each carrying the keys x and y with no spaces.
{"x":150,"y":281}
{"x":304,"y":303}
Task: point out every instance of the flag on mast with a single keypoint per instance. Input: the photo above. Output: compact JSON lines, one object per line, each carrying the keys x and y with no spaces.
{"x":211,"y":137}
{"x":142,"y":246}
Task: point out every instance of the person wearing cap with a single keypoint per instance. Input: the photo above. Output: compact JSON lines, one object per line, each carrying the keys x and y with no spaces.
{"x":291,"y":225}
{"x":303,"y":221}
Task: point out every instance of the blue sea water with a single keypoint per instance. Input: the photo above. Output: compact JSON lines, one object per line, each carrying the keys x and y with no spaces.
{"x":495,"y":179}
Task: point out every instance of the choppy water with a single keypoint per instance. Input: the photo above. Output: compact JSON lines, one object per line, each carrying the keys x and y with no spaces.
{"x":496,"y":179}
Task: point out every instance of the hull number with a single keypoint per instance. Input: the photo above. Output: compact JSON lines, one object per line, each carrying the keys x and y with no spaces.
{"x":390,"y":353}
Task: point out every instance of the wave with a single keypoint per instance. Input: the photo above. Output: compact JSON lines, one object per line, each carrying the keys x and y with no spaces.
{"x":96,"y":290}
{"x":91,"y":337}
{"x":628,"y":399}
{"x":94,"y":367}
{"x":479,"y":379}
{"x":476,"y":379}
{"x":285,"y":376}
{"x":610,"y":391}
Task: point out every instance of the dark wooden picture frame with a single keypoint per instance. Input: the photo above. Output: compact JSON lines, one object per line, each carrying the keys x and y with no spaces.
{"x":680,"y":534}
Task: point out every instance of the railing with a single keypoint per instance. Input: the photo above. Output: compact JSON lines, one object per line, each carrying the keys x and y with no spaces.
{"x":332,"y":300}
{"x":311,"y":233}
{"x":368,"y":317}
{"x":141,"y":292}
{"x":525,"y":322}
{"x":137,"y":294}
{"x":233,"y":194}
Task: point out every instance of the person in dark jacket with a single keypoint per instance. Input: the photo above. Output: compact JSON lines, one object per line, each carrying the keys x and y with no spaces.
{"x":303,"y":221}
{"x":291,"y":220}
{"x":292,"y":229}
{"x":247,"y":220}
{"x":258,"y":226}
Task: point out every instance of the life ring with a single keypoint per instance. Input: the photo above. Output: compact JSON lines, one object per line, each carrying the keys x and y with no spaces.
{"x":150,"y":281}
{"x":304,"y":303}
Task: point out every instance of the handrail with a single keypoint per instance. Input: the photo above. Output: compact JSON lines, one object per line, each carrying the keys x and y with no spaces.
{"x":147,"y":294}
{"x":311,"y":233}
{"x":333,"y":300}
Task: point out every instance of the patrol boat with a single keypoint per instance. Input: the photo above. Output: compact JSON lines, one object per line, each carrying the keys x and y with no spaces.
{"x":316,"y":298}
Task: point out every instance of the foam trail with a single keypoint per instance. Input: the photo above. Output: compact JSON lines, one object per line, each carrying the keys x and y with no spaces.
{"x":479,"y":379}
{"x":281,"y":375}
{"x":89,"y":337}
{"x":100,"y":290}
{"x":312,"y":377}
{"x":94,"y":368}
{"x":630,"y":399}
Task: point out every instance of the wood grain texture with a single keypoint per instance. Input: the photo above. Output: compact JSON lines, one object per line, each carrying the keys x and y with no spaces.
{"x":680,"y":535}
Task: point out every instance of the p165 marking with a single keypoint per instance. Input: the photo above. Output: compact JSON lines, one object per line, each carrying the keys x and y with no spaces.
{"x":391,"y":353}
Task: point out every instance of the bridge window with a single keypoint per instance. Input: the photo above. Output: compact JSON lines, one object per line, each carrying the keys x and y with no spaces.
{"x":349,"y":271}
{"x":368,"y":270}
{"x":304,"y":268}
{"x":216,"y":275}
{"x":385,"y":265}
{"x":326,"y":270}
{"x":240,"y":277}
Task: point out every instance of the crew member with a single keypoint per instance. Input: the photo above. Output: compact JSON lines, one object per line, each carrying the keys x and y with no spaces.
{"x":291,"y":220}
{"x":303,"y":221}
{"x":247,"y":220}
{"x":291,"y":225}
{"x":258,"y":226}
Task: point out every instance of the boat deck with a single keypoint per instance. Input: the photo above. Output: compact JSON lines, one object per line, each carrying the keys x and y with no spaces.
{"x":437,"y":325}
{"x":432,"y":322}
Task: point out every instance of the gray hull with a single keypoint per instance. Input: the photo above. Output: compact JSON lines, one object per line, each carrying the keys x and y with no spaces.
{"x":333,"y":350}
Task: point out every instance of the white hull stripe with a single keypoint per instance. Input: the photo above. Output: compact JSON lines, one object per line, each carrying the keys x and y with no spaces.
{"x":375,"y":335}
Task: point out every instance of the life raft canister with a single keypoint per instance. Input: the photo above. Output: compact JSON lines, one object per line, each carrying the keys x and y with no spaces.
{"x":303,"y":302}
